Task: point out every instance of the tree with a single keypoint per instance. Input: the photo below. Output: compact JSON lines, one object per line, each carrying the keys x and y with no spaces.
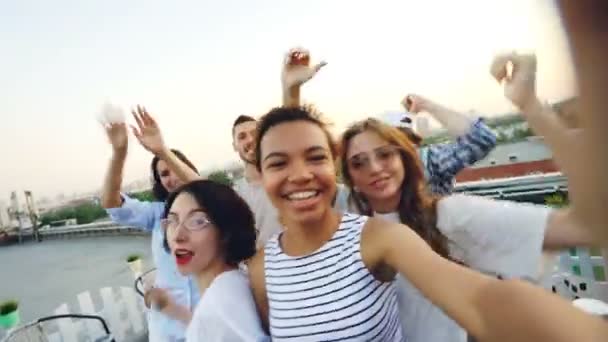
{"x":83,"y":213}
{"x":557,"y":200}
{"x":145,"y":196}
{"x":220,"y":176}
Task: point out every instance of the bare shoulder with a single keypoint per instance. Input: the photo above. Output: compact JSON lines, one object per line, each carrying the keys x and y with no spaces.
{"x":257,"y":282}
{"x":377,"y":238}
{"x":256,"y":266}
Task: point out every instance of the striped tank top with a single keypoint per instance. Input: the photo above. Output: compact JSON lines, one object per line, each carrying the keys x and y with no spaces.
{"x":329,"y":295}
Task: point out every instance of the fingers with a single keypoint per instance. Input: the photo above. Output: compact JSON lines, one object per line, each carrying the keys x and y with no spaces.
{"x":148,"y":118}
{"x":136,"y":133}
{"x":138,"y":120}
{"x":412,"y":103}
{"x":498,"y":69}
{"x":320,"y":65}
{"x":297,"y":56}
{"x":407,"y":103}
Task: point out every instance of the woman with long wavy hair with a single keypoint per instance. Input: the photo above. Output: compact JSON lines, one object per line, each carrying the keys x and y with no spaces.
{"x":381,"y":167}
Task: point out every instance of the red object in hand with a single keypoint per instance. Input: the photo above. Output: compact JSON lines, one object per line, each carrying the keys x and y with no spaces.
{"x":299,"y":58}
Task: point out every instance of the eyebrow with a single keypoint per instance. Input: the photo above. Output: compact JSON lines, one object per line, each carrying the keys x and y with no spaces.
{"x":197,"y":210}
{"x":372,"y":150}
{"x":308,"y":150}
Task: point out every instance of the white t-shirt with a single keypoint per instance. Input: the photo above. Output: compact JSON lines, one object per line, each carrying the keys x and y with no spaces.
{"x":226,"y":312}
{"x":499,"y":237}
{"x":266,"y":215}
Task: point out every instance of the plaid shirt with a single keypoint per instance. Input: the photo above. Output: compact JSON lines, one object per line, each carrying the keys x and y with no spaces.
{"x":443,"y":162}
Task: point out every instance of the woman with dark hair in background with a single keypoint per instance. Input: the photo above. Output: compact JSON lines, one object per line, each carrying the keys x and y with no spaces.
{"x":147,"y":215}
{"x":210,"y":230}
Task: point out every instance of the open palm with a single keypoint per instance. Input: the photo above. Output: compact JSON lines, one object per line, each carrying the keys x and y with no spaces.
{"x":117,"y":135}
{"x":147,"y":131}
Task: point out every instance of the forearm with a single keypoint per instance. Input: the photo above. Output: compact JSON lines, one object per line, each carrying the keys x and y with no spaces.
{"x":179,"y":313}
{"x":110,"y":197}
{"x":291,"y":96}
{"x":587,"y":30}
{"x":456,"y":123}
{"x":181,"y":169}
{"x":516,"y":311}
{"x":565,"y":231}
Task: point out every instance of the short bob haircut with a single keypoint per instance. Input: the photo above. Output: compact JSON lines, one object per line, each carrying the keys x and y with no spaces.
{"x":228,"y":212}
{"x":158,"y":190}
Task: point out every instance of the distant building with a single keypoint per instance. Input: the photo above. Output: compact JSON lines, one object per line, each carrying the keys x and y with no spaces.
{"x":522,"y":171}
{"x":523,"y":158}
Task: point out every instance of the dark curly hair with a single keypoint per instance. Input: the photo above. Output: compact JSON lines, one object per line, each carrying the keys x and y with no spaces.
{"x":158,"y":190}
{"x":228,"y":212}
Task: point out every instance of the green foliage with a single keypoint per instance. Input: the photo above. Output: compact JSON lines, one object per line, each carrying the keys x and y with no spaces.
{"x":522,"y":133}
{"x":556,"y":200}
{"x":83,"y":213}
{"x":435,"y":139}
{"x":144,"y":196}
{"x":220,"y":176}
{"x":8,"y":307}
{"x":133,"y":257}
{"x":504,"y":120}
{"x":502,"y":138}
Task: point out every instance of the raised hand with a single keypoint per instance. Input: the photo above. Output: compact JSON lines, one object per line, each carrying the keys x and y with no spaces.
{"x":117,"y":135}
{"x":147,"y":131}
{"x":567,"y":144}
{"x":414,"y":103}
{"x":112,"y":120}
{"x":518,"y":74}
{"x":297,"y":69}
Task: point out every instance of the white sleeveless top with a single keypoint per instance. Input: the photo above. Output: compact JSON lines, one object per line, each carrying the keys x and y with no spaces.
{"x":329,"y":295}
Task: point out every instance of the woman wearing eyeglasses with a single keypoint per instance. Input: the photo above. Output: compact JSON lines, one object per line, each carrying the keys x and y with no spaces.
{"x":381,"y":167}
{"x":209,"y":230}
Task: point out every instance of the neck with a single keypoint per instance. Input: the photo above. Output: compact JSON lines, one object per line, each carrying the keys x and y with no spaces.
{"x":206,"y":277}
{"x":387,"y":205}
{"x":302,"y":238}
{"x":252,"y":175}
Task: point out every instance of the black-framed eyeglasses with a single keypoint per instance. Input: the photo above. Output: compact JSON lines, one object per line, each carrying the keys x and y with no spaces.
{"x":195,"y":221}
{"x":382,"y":155}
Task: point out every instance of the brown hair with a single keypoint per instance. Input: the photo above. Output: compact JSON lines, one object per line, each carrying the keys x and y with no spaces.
{"x":417,"y":207}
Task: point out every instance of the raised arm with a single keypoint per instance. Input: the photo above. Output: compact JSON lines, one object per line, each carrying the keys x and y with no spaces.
{"x":296,"y":72}
{"x":456,"y":123}
{"x":117,"y":136}
{"x":149,"y":135}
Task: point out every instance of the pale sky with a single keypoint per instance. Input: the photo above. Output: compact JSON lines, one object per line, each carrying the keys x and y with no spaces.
{"x":196,"y":65}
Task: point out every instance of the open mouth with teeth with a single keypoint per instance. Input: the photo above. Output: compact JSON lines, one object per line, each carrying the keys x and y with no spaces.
{"x":183,"y":256}
{"x":303,"y":199}
{"x":302,"y":195}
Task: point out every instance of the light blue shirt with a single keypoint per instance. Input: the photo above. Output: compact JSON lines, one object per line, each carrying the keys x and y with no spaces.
{"x":147,"y":216}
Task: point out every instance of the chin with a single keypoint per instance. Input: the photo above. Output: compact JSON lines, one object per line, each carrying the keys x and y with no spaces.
{"x":184,"y":270}
{"x":308,"y":217}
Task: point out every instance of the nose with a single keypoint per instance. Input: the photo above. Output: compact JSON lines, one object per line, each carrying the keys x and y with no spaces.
{"x":250,"y":139}
{"x":374,"y":165}
{"x":181,"y":233}
{"x":300,"y":173}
